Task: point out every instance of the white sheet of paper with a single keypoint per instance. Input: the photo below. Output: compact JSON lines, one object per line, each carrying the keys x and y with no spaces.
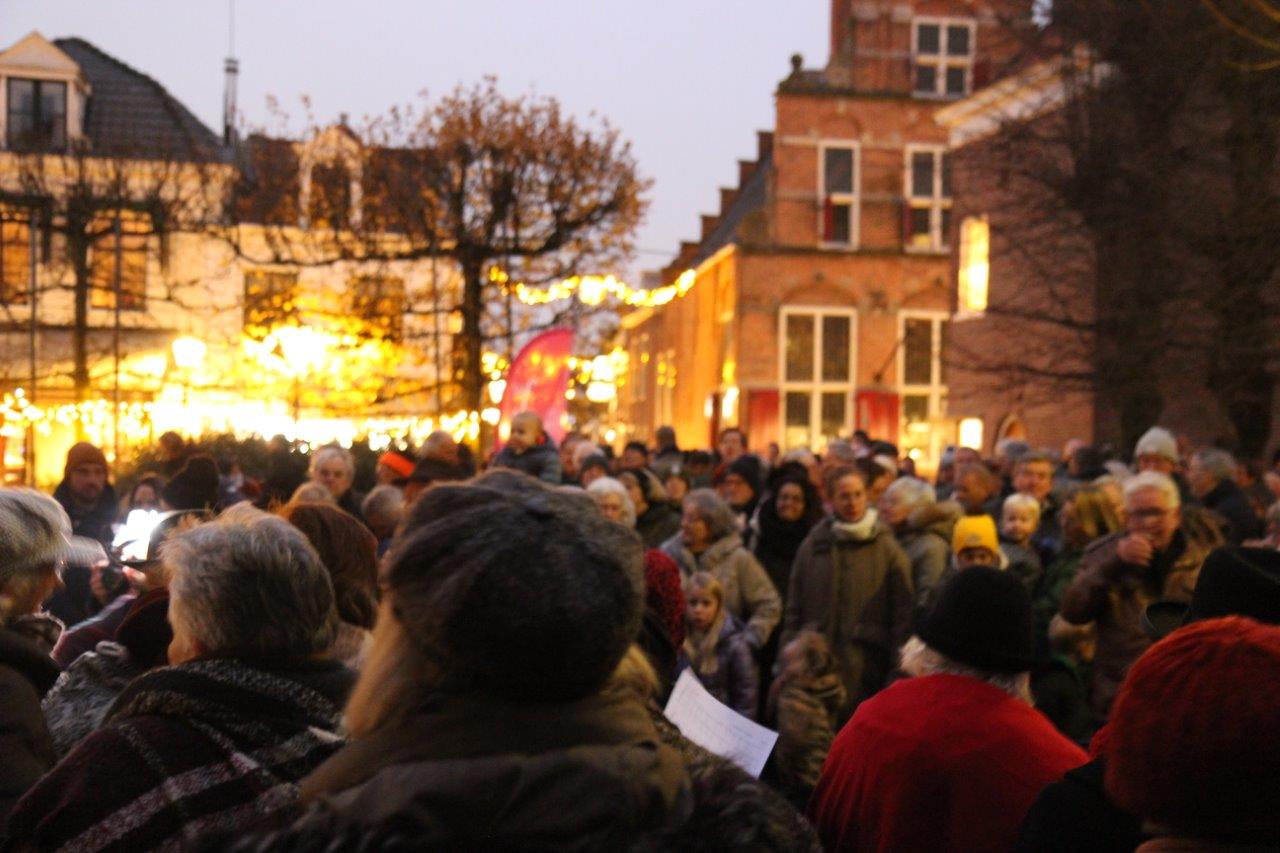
{"x":718,"y":728}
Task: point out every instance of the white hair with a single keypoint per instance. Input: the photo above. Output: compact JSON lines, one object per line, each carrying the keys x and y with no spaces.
{"x":910,"y":492}
{"x":803,"y":455}
{"x":1162,"y":483}
{"x":251,"y":588}
{"x":1018,"y":500}
{"x":333,"y":451}
{"x":610,"y":486}
{"x":919,"y":658}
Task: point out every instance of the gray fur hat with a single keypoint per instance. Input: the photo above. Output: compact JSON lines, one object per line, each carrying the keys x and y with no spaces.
{"x":514,"y":590}
{"x":35,"y":534}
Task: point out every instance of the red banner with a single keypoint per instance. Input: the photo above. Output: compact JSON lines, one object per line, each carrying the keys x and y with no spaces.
{"x":537,"y":380}
{"x":878,"y":413}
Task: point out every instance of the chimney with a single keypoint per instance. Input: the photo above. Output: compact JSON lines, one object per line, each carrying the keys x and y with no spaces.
{"x":229,"y":101}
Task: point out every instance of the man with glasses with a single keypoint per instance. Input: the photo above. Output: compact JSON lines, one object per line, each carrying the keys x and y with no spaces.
{"x":1157,"y":556}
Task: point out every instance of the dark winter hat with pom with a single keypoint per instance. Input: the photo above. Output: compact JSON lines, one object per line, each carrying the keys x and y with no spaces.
{"x":516,"y":591}
{"x":1192,"y":742}
{"x":983,"y":619}
{"x":195,"y":486}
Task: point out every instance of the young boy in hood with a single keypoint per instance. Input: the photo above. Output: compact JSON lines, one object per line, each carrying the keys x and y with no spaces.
{"x":530,"y":449}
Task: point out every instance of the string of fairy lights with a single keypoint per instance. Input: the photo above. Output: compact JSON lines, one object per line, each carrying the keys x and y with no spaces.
{"x":100,"y":419}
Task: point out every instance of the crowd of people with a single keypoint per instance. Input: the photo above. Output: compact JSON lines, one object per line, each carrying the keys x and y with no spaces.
{"x":1033,"y":651}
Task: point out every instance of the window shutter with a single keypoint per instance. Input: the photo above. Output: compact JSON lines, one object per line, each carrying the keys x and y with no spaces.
{"x":828,"y":220}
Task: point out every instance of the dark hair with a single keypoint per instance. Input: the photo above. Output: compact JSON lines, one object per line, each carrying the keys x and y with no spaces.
{"x":742,"y":435}
{"x":638,"y":446}
{"x":871,"y":470}
{"x":512,"y":589}
{"x":155,"y":481}
{"x":348,"y":551}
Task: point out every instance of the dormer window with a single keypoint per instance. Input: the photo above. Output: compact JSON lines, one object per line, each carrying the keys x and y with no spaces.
{"x":35,"y":115}
{"x":942,"y":55}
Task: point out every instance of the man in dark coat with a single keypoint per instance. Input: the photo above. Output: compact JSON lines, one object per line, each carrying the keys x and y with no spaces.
{"x":1212,"y":478}
{"x":90,"y":502}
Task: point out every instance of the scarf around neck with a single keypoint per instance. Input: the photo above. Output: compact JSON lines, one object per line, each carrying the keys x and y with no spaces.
{"x":862,"y":530}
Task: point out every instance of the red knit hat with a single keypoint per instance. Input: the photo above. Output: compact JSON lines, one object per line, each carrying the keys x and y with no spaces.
{"x":1193,"y":742}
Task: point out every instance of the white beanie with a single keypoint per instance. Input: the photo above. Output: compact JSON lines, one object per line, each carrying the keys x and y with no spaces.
{"x":1157,"y":441}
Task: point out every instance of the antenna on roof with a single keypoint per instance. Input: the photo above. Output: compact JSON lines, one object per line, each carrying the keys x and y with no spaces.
{"x":232,"y":68}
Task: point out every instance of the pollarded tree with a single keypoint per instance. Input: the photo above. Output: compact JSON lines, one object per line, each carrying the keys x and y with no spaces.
{"x":477,"y":179}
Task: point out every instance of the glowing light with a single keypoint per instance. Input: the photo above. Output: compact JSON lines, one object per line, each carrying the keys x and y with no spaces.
{"x":496,"y":389}
{"x":601,"y":392}
{"x":491,"y":416}
{"x":189,"y":353}
{"x":971,"y":433}
{"x":592,"y":290}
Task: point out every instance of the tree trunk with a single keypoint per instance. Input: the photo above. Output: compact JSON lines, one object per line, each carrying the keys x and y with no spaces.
{"x":471,"y":378}
{"x":78,"y":249}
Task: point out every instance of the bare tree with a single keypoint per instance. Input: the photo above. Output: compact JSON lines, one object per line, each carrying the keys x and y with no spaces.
{"x":475,"y":179}
{"x":1136,"y":208}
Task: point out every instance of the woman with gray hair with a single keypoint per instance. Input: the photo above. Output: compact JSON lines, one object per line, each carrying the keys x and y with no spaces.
{"x":709,"y":541}
{"x":35,"y":541}
{"x":614,"y":502}
{"x":250,"y":704}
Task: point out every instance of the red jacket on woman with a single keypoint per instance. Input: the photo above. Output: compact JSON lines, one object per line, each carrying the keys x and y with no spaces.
{"x":937,"y":763}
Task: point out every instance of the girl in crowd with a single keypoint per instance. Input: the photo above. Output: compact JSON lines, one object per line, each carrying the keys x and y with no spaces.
{"x":716,"y":647}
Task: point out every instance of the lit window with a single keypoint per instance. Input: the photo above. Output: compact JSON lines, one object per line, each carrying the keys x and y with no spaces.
{"x":15,"y":257}
{"x":817,"y":376}
{"x":839,"y":215}
{"x":942,"y":55}
{"x":922,"y":383}
{"x":270,"y":298}
{"x":927,"y":212}
{"x":130,"y":249}
{"x":975,"y":265}
{"x":36,"y":115}
{"x":379,"y":302}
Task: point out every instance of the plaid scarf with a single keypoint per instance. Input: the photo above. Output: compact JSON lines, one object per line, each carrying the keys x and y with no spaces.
{"x":206,"y":745}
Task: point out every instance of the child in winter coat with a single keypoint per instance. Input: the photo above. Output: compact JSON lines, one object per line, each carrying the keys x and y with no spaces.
{"x":530,"y":449}
{"x":804,"y":703}
{"x":717,"y":648}
{"x":1019,"y":519}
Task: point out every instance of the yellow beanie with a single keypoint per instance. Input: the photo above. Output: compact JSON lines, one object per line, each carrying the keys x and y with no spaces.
{"x":975,"y":531}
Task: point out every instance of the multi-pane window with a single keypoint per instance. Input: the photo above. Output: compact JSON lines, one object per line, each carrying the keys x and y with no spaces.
{"x":379,"y":301}
{"x":927,"y":213}
{"x":839,"y":184}
{"x":118,"y":261}
{"x":975,"y":265}
{"x":35,"y":114}
{"x":922,"y":381}
{"x":15,"y":257}
{"x":817,"y":375}
{"x":942,"y":56}
{"x":269,"y":300}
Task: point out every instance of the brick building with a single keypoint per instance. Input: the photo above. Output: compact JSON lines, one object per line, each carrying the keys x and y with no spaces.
{"x":823,"y":284}
{"x":1022,"y":341}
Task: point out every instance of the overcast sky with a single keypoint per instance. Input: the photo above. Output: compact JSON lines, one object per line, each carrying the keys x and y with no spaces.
{"x":687,"y":81}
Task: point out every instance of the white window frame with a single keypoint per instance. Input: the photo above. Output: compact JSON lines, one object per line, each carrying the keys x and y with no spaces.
{"x":818,"y":385}
{"x":942,"y":61}
{"x":935,"y":390}
{"x":853,"y":199}
{"x":935,"y":203}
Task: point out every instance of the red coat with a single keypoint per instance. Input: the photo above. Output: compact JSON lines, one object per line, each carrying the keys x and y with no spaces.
{"x":937,"y":763}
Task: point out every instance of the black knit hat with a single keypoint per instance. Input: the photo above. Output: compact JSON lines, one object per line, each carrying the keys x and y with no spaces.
{"x":1233,"y":581}
{"x":982,"y":618}
{"x":195,"y":486}
{"x":749,"y":467}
